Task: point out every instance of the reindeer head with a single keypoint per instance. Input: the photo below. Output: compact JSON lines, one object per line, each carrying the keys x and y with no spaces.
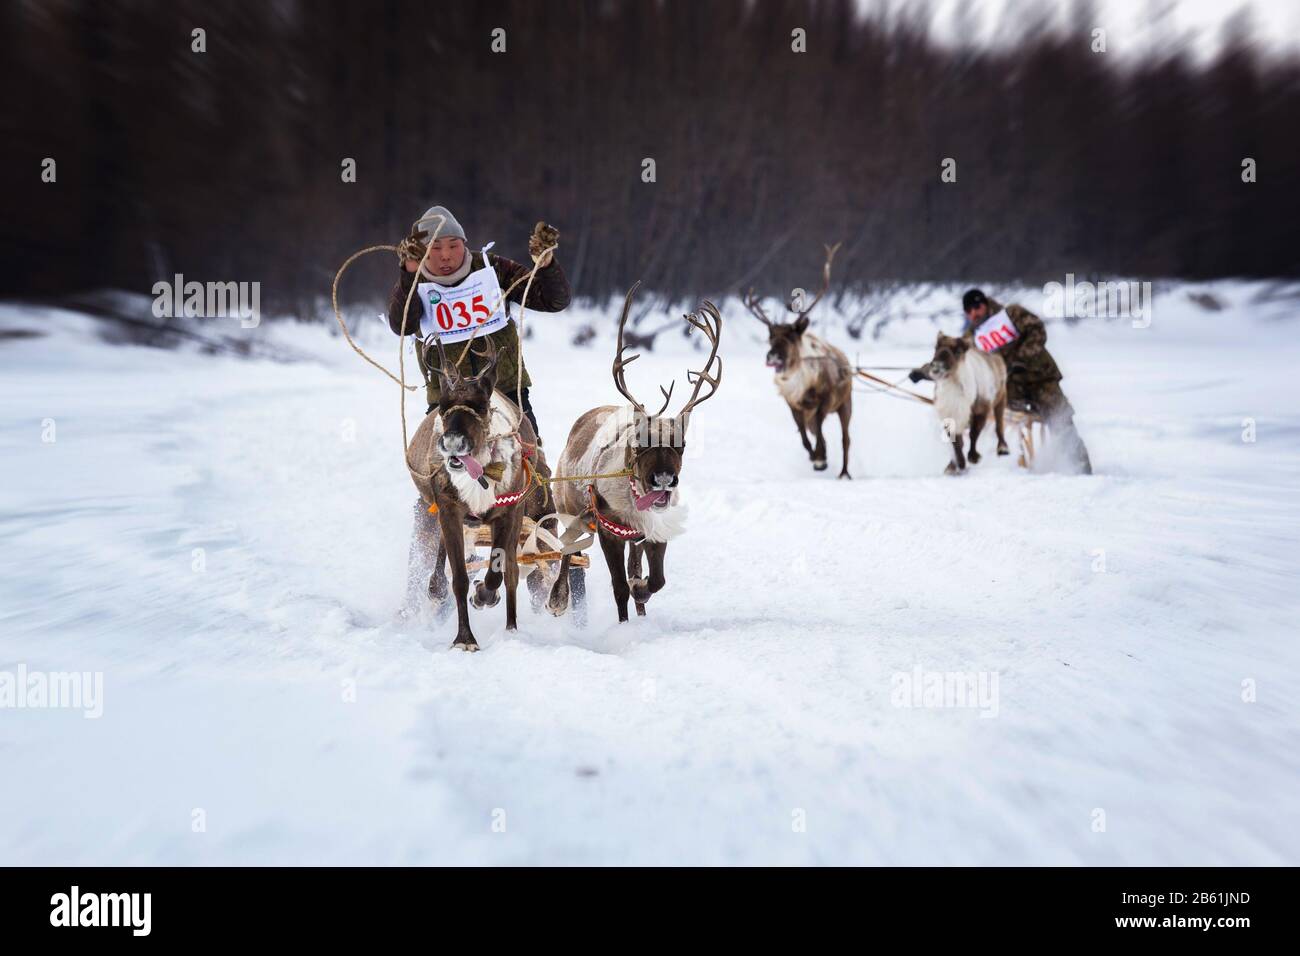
{"x":465,"y":406}
{"x":658,"y":441}
{"x":948,"y":352}
{"x":785,"y":339}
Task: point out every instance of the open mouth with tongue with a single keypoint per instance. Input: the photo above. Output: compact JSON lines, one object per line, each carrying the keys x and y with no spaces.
{"x":658,"y":500}
{"x":776,"y":363}
{"x":470,"y":465}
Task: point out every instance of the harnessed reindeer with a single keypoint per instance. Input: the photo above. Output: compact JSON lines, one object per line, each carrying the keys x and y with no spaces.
{"x":473,"y":445}
{"x":813,"y":377}
{"x":639,"y":506}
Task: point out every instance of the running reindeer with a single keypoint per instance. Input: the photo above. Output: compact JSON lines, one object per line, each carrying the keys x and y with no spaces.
{"x":640,"y":506}
{"x":473,"y":445}
{"x":968,"y":384}
{"x":813,"y":377}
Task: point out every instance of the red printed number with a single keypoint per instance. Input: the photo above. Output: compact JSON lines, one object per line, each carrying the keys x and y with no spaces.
{"x":477,"y":312}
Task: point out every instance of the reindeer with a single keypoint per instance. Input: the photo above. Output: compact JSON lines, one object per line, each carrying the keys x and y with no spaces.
{"x":641,"y":509}
{"x":471,"y":458}
{"x":967,"y":384}
{"x":813,"y":377}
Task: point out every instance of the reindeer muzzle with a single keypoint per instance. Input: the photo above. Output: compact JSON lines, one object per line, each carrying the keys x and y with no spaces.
{"x":493,"y":470}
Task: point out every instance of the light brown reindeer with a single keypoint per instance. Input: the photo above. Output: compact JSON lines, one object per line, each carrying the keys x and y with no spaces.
{"x":813,"y":376}
{"x":641,"y":509}
{"x":470,"y":458}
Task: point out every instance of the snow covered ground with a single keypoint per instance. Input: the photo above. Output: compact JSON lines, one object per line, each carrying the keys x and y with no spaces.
{"x":224,"y":540}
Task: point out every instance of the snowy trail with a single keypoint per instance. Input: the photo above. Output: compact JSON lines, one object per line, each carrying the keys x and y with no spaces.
{"x":758,"y":693}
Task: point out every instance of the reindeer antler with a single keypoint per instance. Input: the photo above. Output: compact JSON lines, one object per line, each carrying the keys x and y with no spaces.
{"x":488,"y":355}
{"x":751,"y":303}
{"x":446,"y":368}
{"x":621,"y":363}
{"x":709,"y":321}
{"x":826,"y":276}
{"x":451,"y":370}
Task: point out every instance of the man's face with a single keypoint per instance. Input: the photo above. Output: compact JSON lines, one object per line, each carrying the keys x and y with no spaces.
{"x":978,"y":314}
{"x":445,"y":256}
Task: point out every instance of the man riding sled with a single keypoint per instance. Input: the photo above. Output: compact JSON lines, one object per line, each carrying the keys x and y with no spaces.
{"x":1033,"y":378}
{"x":460,"y":296}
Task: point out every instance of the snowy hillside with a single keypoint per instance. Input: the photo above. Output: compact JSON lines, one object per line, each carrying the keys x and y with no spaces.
{"x":225,"y":539}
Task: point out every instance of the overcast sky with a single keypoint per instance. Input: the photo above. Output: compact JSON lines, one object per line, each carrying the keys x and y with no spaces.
{"x":1128,"y":22}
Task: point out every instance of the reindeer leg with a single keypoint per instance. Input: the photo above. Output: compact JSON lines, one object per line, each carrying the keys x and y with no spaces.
{"x":800,"y":424}
{"x":999,"y":412}
{"x":819,"y":450}
{"x":454,"y":540}
{"x":655,"y":551}
{"x":558,"y":602}
{"x":637,"y":584}
{"x":439,"y":589}
{"x":958,"y":463}
{"x":485,"y":591}
{"x":614,"y":558}
{"x":512,"y":568}
{"x":977,"y":420}
{"x":425,"y":577}
{"x":846,"y":412}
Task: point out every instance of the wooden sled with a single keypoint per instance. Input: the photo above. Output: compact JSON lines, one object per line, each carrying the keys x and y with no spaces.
{"x":481,"y":537}
{"x":1025,"y":423}
{"x":539,"y":556}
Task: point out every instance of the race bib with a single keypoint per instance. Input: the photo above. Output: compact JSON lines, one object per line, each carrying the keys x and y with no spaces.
{"x":453,"y":313}
{"x":995,"y":332}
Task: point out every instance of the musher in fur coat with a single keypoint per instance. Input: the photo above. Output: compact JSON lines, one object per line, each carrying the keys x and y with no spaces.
{"x":437,"y":256}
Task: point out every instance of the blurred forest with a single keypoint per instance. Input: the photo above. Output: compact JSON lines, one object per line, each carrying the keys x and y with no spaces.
{"x":225,"y":165}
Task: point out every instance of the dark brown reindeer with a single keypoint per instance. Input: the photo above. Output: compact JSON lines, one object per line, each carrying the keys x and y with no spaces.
{"x":641,"y":509}
{"x":813,"y":376}
{"x":470,"y":458}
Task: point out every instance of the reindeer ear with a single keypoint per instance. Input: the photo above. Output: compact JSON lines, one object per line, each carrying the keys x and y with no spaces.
{"x":800,"y":324}
{"x":939,"y":339}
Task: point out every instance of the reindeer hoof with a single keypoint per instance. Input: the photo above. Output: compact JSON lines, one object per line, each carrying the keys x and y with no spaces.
{"x":1003,"y":450}
{"x":845,"y":475}
{"x":640,"y":610}
{"x":973,"y":457}
{"x":537,"y":592}
{"x":819,"y":465}
{"x":466,"y":644}
{"x":483,"y":597}
{"x":640,"y":590}
{"x":558,"y":604}
{"x":952,"y":469}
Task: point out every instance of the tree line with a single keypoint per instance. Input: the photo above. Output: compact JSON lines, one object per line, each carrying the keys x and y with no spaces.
{"x":228,"y":164}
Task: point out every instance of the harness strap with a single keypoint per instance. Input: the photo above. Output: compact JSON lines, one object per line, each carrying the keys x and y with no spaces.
{"x":613,"y":527}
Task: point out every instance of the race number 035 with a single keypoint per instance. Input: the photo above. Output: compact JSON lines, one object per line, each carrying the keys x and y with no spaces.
{"x":463,"y":317}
